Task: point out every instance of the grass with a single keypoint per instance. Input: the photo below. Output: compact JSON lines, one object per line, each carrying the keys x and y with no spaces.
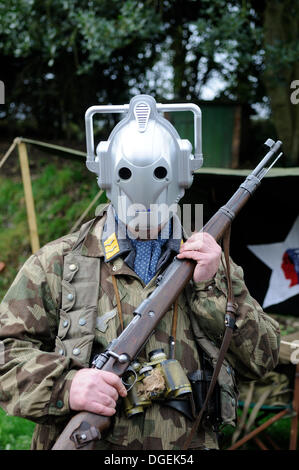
{"x":277,"y":434}
{"x":15,"y":433}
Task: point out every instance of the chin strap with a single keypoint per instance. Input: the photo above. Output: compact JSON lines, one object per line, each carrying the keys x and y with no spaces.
{"x":229,"y":321}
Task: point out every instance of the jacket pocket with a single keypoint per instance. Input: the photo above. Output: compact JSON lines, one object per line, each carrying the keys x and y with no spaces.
{"x":76,"y":334}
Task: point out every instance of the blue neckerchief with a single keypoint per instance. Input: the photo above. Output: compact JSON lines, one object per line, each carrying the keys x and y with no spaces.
{"x":147,"y":255}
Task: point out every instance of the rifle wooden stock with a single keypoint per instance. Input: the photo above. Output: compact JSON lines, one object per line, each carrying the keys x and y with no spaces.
{"x":85,"y":426}
{"x":81,"y":423}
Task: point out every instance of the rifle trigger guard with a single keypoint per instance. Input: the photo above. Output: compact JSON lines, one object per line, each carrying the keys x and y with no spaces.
{"x":130,"y":369}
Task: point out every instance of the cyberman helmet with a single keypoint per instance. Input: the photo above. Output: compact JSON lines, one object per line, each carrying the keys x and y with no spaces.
{"x":144,"y":166}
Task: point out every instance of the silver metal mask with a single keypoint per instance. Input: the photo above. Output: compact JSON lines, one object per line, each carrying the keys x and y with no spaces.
{"x":144,"y":166}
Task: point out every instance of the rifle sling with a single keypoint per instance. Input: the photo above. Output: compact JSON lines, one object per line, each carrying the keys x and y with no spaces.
{"x":229,"y":324}
{"x":117,"y":297}
{"x":172,"y":337}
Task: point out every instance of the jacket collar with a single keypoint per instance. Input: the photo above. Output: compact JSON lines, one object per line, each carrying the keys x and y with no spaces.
{"x":107,"y":238}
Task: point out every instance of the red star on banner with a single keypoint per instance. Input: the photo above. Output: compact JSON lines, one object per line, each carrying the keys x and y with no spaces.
{"x":283,"y":259}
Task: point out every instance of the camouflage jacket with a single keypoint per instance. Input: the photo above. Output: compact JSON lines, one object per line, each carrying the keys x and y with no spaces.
{"x":49,"y":329}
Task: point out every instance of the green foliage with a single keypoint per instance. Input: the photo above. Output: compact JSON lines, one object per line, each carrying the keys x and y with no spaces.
{"x":97,"y":28}
{"x":15,"y":433}
{"x":119,"y":44}
{"x":231,"y":40}
{"x":58,"y":57}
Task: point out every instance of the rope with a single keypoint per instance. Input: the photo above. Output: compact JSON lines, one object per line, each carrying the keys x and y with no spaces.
{"x":18,"y":140}
{"x":53,"y":146}
{"x":9,"y":151}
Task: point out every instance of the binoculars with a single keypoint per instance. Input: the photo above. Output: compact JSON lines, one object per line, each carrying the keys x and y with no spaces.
{"x":158,"y":379}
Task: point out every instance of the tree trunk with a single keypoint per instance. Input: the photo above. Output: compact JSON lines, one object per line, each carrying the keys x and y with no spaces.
{"x":281,"y":25}
{"x":178,"y":62}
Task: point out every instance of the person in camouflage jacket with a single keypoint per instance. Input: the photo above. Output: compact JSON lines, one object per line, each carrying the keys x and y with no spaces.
{"x":59,"y":312}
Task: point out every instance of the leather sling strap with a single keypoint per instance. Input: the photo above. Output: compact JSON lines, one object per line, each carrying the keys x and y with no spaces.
{"x":229,"y":321}
{"x":294,"y":423}
{"x":172,"y":337}
{"x":118,"y":304}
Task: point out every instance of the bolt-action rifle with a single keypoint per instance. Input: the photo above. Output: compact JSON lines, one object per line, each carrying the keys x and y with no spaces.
{"x":85,"y":428}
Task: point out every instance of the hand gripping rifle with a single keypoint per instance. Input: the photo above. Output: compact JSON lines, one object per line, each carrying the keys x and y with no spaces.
{"x":85,"y":428}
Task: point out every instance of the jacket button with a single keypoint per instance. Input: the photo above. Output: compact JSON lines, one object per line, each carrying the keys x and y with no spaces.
{"x":82,"y":322}
{"x":65,"y":323}
{"x":61,"y":352}
{"x":72,"y":267}
{"x":70,"y":296}
{"x":114,"y":268}
{"x":76,"y":351}
{"x":59,"y":403}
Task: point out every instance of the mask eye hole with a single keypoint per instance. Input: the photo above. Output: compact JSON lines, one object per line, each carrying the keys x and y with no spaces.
{"x":124,"y":173}
{"x":160,"y":172}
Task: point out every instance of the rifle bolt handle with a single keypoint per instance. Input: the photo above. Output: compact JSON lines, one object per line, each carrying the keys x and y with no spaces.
{"x":122,"y":358}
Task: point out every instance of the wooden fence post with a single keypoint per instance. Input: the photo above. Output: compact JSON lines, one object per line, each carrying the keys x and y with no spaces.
{"x":33,"y":232}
